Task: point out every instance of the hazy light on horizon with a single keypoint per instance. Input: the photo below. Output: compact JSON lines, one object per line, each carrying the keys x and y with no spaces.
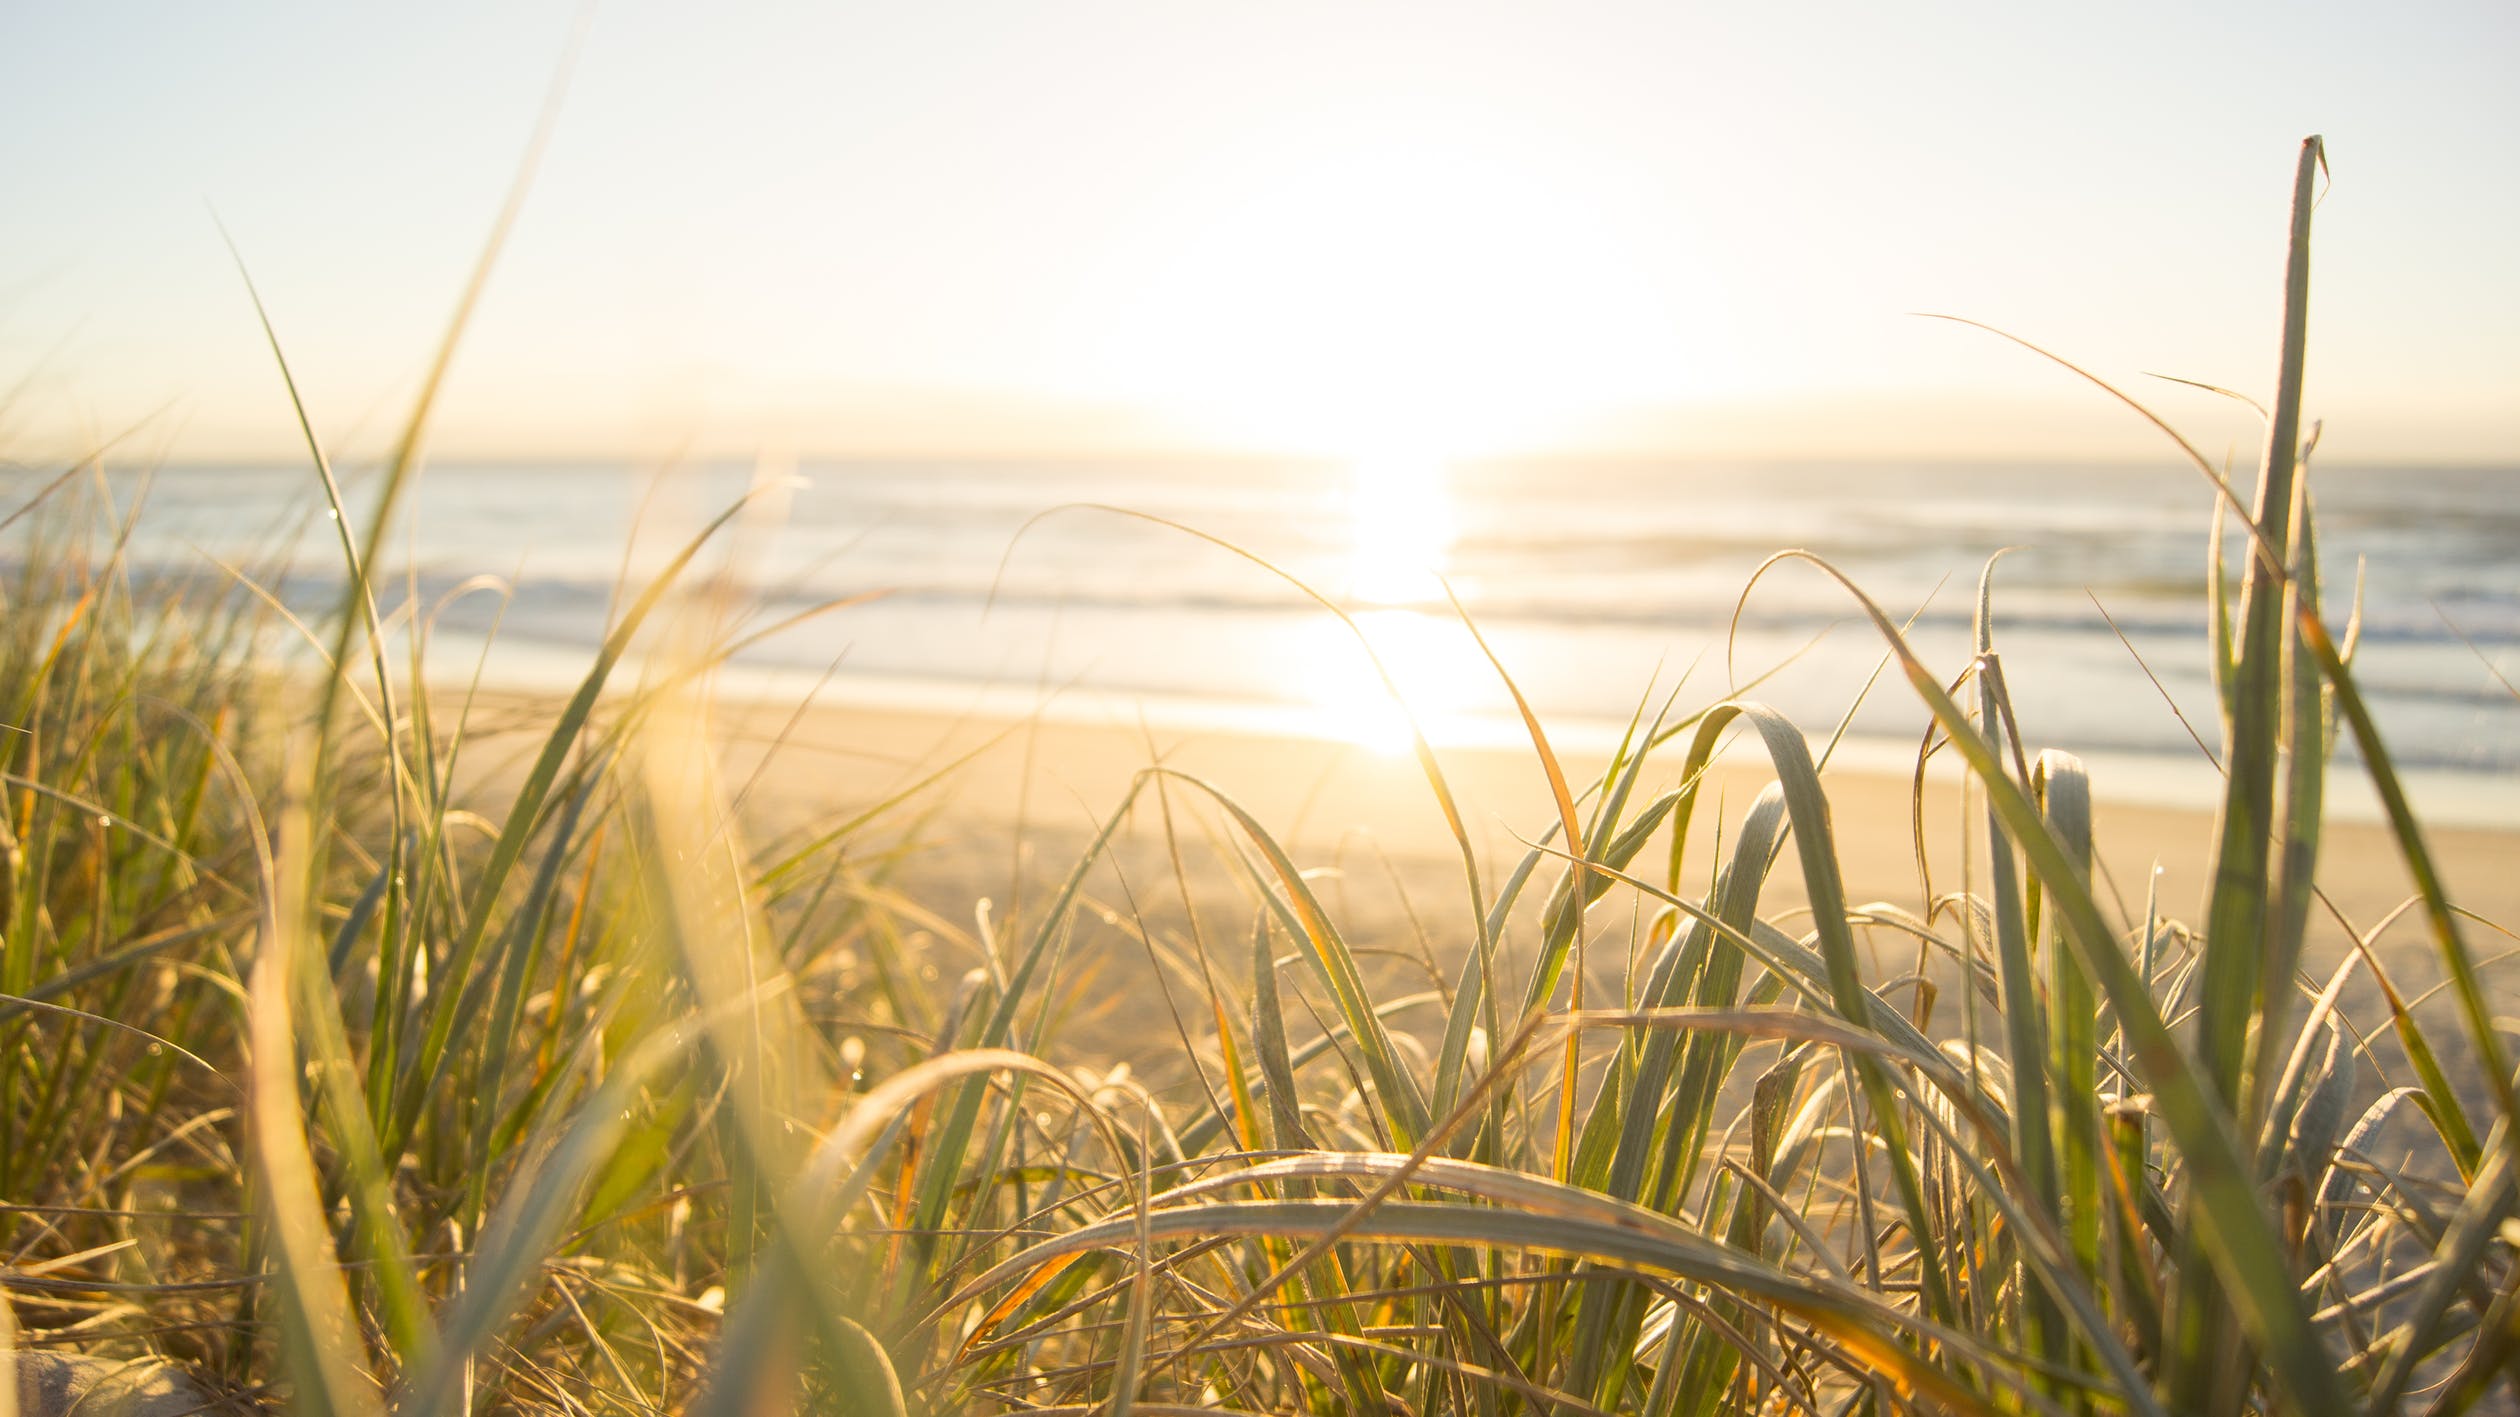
{"x":1118,"y":225}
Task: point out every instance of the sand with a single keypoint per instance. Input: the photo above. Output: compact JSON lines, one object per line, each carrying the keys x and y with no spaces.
{"x":1000,"y":809}
{"x":1324,"y":801}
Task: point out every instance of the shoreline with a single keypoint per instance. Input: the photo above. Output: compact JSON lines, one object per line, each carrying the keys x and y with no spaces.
{"x":2444,"y":798}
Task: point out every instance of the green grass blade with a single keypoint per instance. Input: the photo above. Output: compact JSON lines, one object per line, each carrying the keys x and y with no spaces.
{"x":319,"y":1337}
{"x":2027,"y":1026}
{"x":945,"y":1160}
{"x":2237,"y":1238}
{"x":426,"y":1065}
{"x":1403,"y":1104}
{"x":2234,"y":983}
{"x":1807,"y":808}
{"x":2063,"y":788}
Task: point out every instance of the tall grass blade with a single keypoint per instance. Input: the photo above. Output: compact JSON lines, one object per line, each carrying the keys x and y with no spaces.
{"x":319,"y":1337}
{"x":1403,"y":1104}
{"x":426,"y":1062}
{"x":2237,"y":1239}
{"x":2063,"y":789}
{"x":2027,"y":1023}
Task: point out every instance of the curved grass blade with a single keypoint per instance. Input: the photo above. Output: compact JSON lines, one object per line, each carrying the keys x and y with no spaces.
{"x":1404,"y":1105}
{"x":1846,"y":1317}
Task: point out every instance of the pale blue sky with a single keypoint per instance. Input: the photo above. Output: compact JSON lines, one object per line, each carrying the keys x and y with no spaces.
{"x":1091,"y":226}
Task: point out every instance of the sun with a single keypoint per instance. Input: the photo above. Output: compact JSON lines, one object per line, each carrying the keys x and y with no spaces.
{"x":1429,"y":659}
{"x":1400,"y":523}
{"x":1400,"y":534}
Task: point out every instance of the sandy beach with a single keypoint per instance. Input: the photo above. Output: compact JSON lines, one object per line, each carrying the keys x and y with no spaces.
{"x":986,"y":793}
{"x":1320,"y":798}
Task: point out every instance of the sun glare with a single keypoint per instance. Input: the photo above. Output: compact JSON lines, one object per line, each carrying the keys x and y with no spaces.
{"x":1400,"y":535}
{"x":1400,"y":528}
{"x":1429,"y":659}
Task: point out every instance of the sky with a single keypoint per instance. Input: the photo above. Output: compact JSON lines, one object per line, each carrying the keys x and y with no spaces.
{"x":1115,"y":227}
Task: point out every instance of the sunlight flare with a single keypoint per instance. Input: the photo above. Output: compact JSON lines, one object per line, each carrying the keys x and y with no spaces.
{"x":1431,"y":661}
{"x":1401,"y":528}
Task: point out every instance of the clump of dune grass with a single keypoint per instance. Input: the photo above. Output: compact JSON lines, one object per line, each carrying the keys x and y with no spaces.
{"x":357,"y":1091}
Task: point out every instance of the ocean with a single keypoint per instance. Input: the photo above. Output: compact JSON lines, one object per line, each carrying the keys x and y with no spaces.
{"x":1610,"y":590}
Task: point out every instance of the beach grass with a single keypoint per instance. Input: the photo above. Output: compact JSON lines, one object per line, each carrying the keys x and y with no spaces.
{"x":357,"y":1076}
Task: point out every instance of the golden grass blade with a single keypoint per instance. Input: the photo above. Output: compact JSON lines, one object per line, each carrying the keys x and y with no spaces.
{"x":1564,"y":1147}
{"x":1846,"y":1318}
{"x":319,"y":1334}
